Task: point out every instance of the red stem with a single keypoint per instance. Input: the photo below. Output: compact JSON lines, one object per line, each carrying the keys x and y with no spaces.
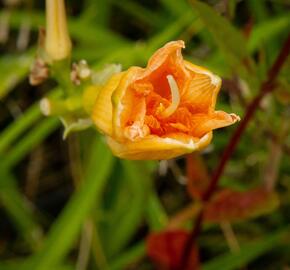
{"x":266,"y":87}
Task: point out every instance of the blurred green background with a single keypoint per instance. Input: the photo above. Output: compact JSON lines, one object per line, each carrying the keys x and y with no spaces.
{"x":69,"y":204}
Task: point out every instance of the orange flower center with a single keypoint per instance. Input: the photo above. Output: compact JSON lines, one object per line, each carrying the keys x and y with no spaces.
{"x":171,"y":98}
{"x":164,"y":113}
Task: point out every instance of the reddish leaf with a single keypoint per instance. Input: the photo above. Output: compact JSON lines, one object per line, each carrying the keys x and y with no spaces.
{"x":166,"y":249}
{"x":232,"y":206}
{"x":197,"y":175}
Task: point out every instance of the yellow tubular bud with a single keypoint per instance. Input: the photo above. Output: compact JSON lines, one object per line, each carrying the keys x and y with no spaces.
{"x":57,"y":41}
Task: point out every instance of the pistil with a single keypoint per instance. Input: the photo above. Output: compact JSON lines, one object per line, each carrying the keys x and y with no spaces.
{"x":175,"y":97}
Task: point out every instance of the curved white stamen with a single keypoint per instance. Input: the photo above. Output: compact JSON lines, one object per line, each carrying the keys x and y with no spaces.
{"x":175,"y":97}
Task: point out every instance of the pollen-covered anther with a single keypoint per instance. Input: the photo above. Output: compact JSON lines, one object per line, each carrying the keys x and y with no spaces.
{"x":136,"y":131}
{"x":175,"y":97}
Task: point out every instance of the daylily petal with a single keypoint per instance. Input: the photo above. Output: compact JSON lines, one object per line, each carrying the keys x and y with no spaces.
{"x":165,"y":61}
{"x":102,"y":114}
{"x":202,"y":90}
{"x":126,"y":103}
{"x":203,"y":123}
{"x":154,"y":147}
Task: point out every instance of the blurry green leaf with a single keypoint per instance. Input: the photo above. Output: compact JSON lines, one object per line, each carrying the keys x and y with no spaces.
{"x":248,"y":252}
{"x":259,"y":10}
{"x":21,"y":124}
{"x":31,"y":140}
{"x":80,"y":30}
{"x":172,"y":31}
{"x":231,"y":206}
{"x":175,"y":7}
{"x":19,"y":210}
{"x":126,"y":258}
{"x":267,"y":31}
{"x":65,"y":229}
{"x":137,"y":181}
{"x":155,"y":213}
{"x":13,"y":68}
{"x":140,"y":12}
{"x":18,"y":265}
{"x":97,"y":11}
{"x":230,"y":41}
{"x":15,"y":128}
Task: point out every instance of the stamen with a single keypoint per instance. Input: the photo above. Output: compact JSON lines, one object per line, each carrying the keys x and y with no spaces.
{"x":175,"y":97}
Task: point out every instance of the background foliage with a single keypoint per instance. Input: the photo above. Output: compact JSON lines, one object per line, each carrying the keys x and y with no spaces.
{"x":72,"y":205}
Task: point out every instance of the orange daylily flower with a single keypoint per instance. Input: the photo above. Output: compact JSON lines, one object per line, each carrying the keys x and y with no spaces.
{"x":162,"y":111}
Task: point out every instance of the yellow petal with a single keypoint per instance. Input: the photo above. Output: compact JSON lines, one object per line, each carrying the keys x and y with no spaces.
{"x":126,"y":104}
{"x":102,"y":113}
{"x":156,"y":148}
{"x":89,"y":97}
{"x":202,"y":89}
{"x":204,"y":123}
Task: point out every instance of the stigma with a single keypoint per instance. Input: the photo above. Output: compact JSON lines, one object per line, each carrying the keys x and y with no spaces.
{"x":175,"y":97}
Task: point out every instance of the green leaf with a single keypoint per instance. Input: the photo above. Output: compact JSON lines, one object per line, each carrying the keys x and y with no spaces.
{"x":175,"y":7}
{"x":137,"y":181}
{"x":230,"y":41}
{"x":155,"y":213}
{"x":19,"y":210}
{"x":140,"y":13}
{"x":248,"y":252}
{"x":172,"y":30}
{"x":12,"y":70}
{"x":65,"y":229}
{"x":267,"y":31}
{"x":127,"y":257}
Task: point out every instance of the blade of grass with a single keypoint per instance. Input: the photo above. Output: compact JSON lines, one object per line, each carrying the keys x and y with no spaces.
{"x":155,"y":213}
{"x":97,"y":11}
{"x":19,"y":210}
{"x":267,"y":31}
{"x":129,"y":256}
{"x":230,"y":41}
{"x":137,"y":181}
{"x":66,"y":228}
{"x":13,"y":70}
{"x":141,"y":13}
{"x":171,"y":32}
{"x":177,"y":8}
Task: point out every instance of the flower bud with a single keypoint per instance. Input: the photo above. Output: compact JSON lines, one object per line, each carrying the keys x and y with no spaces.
{"x":57,"y":41}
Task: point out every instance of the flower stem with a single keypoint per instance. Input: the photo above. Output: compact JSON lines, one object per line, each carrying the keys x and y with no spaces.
{"x":266,"y":87}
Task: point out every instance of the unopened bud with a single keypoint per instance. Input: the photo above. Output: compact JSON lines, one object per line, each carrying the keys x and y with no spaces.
{"x":57,"y":41}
